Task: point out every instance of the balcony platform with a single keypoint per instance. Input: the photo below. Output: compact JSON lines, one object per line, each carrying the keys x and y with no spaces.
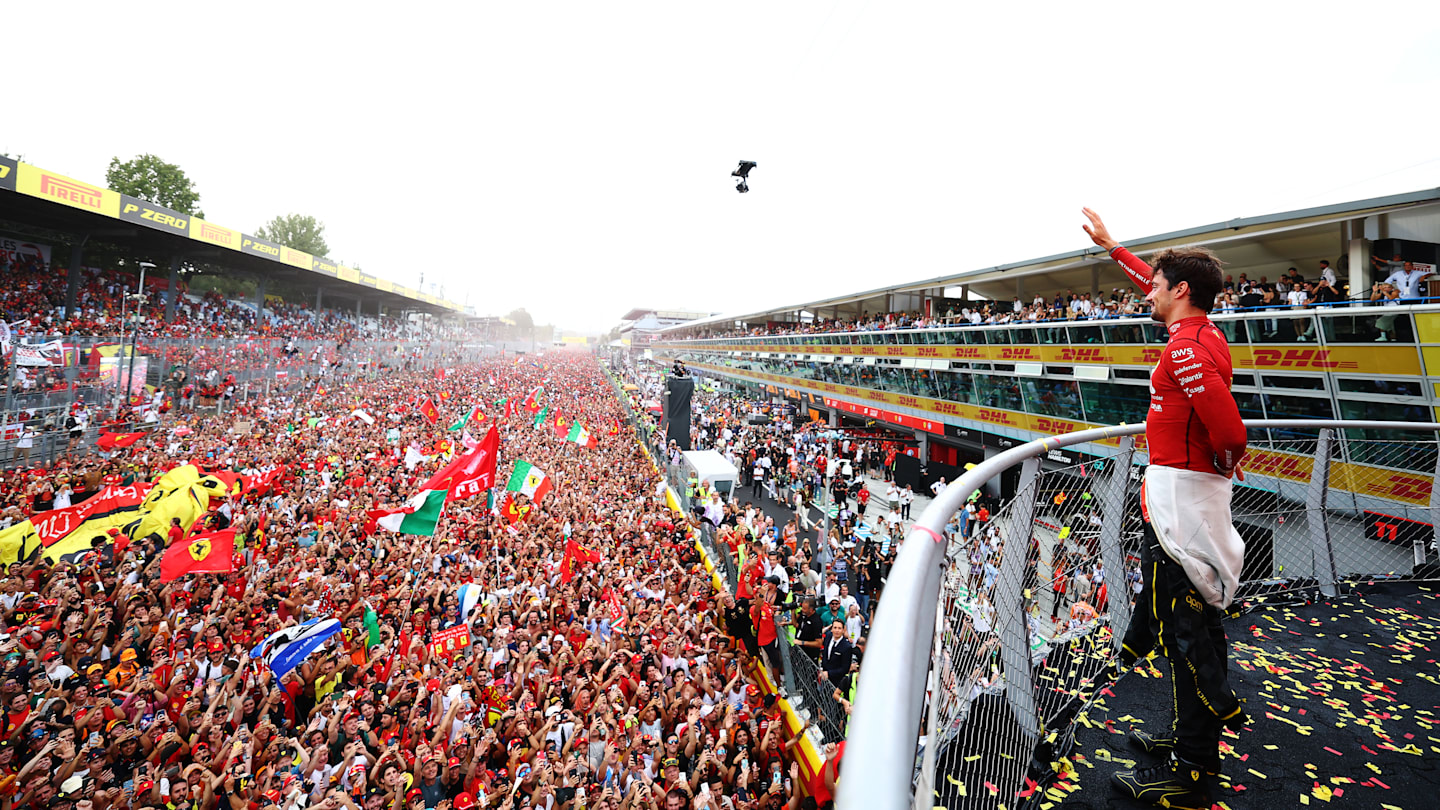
{"x":1343,"y":689}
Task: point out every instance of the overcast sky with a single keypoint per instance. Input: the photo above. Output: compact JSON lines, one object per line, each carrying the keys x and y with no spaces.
{"x":574,"y":157}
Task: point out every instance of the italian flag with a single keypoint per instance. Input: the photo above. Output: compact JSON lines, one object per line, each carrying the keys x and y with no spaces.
{"x":465,"y":420}
{"x":532,"y":402}
{"x":541,"y":416}
{"x":529,"y":480}
{"x":581,"y":436}
{"x":418,"y":516}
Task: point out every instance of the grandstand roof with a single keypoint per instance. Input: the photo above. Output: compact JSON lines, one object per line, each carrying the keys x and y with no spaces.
{"x":32,"y":198}
{"x":1285,"y":237}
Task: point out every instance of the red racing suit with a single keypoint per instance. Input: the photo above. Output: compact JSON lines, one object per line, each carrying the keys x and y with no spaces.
{"x":1193,"y":423}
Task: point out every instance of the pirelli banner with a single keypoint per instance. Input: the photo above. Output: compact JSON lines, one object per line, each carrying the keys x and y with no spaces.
{"x":32,"y":181}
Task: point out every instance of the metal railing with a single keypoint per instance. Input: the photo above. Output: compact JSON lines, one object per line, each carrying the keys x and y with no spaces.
{"x":972,"y":610}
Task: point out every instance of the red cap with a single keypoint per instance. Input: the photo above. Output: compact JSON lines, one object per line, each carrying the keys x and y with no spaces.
{"x":217,"y":646}
{"x":413,"y":793}
{"x":464,"y":802}
{"x":454,"y":762}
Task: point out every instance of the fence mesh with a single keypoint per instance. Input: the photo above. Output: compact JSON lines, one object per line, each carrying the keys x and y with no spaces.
{"x":1033,"y":598}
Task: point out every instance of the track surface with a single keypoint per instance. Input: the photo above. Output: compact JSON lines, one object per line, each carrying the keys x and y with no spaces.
{"x":1344,"y":705}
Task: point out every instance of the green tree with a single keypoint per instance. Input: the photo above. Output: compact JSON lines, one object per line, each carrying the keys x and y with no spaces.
{"x":298,"y":231}
{"x":153,"y":180}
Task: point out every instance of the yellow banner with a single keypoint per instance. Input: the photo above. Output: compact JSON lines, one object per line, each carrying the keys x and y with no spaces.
{"x":1391,"y":360}
{"x":37,"y":182}
{"x":213,"y":234}
{"x":297,"y":258}
{"x":384,"y":285}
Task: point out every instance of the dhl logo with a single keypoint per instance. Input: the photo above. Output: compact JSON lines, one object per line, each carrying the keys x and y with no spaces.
{"x":949,"y":408}
{"x":927,"y":351}
{"x":1403,"y":488}
{"x":869,"y":349}
{"x":1009,"y":353}
{"x":1298,"y":358}
{"x":1069,"y":355}
{"x":995,"y":416}
{"x":1044,"y":424}
{"x":219,"y":234}
{"x":70,"y":191}
{"x":967,"y":352}
{"x":1275,"y":464}
{"x":909,"y":402}
{"x":1150,"y":356}
{"x":263,"y":248}
{"x":894,"y":351}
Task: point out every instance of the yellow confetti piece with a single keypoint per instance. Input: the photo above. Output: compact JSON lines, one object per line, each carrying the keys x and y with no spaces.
{"x":1321,"y":792}
{"x":973,"y":758}
{"x":1304,"y":799}
{"x":1257,"y":773}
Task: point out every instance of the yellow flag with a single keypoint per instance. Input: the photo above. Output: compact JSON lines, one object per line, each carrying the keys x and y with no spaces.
{"x":17,"y":542}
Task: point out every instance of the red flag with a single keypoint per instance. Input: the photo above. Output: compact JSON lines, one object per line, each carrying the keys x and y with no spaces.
{"x":211,"y":553}
{"x":574,"y":555}
{"x":262,"y":483}
{"x":470,"y":473}
{"x":109,"y":441}
{"x":561,"y":425}
{"x":429,"y":411}
{"x":513,"y":510}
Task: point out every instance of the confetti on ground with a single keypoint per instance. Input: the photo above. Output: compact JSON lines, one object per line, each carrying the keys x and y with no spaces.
{"x":1342,"y":714}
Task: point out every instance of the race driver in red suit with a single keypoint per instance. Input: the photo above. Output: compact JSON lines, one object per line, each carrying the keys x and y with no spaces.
{"x":1192,"y":554}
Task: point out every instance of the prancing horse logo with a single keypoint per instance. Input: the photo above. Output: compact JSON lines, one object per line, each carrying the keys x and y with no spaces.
{"x":200,"y":549}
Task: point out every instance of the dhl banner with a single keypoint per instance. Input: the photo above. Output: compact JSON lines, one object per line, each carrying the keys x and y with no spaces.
{"x":1391,"y":360}
{"x":1362,"y":479}
{"x":33,"y":181}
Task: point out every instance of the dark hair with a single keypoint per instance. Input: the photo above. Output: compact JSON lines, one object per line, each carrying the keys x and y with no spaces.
{"x":1196,"y":266}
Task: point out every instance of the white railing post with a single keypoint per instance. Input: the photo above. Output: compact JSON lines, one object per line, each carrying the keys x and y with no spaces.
{"x":1315,"y":506}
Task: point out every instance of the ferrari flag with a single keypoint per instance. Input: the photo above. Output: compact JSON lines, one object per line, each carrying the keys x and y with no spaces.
{"x":212,"y":553}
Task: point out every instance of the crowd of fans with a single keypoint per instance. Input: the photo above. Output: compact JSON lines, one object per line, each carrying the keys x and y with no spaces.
{"x":1402,"y":280}
{"x":32,"y":300}
{"x":622,"y":687}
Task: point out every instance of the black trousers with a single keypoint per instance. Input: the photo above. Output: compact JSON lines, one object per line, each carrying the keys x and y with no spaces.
{"x":1171,"y":614}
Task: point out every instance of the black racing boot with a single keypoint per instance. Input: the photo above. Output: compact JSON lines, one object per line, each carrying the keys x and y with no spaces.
{"x":1149,"y":743}
{"x":1173,"y":783}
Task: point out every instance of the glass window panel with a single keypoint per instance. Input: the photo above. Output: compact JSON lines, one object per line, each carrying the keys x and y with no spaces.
{"x":1112,"y":403}
{"x":1406,"y":450}
{"x":1393,"y":388}
{"x":1124,"y":333}
{"x":1281,"y":329}
{"x":1368,"y":327}
{"x":1087,"y":334}
{"x":997,"y":336}
{"x":994,"y":391}
{"x":1314,"y":382}
{"x":1024,"y":337}
{"x":1051,"y":397}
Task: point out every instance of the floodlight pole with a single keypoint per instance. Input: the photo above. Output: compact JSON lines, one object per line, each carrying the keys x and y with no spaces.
{"x":135,"y":333}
